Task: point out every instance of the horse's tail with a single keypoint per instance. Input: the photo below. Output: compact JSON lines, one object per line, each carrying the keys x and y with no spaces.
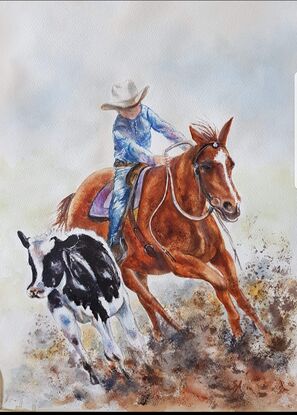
{"x":62,"y":211}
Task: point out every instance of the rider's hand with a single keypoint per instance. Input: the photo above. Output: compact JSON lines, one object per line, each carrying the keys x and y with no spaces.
{"x":160,"y":160}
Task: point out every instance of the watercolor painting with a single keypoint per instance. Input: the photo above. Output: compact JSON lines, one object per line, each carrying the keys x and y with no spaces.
{"x":148,"y":206}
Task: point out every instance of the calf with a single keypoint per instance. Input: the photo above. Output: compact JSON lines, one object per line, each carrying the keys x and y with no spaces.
{"x":82,"y":282}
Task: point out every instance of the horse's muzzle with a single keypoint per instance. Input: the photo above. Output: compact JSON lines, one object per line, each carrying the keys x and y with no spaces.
{"x":227,"y":210}
{"x":230,"y":212}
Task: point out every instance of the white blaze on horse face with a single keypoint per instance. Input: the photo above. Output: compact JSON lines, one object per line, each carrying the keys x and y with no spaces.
{"x":221,"y":158}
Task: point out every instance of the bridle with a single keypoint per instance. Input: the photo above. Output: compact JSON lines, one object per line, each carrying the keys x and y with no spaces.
{"x":174,"y":199}
{"x":169,"y":179}
{"x":196,"y":166}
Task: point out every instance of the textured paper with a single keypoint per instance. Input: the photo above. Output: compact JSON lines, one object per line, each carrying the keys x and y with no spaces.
{"x":202,"y":60}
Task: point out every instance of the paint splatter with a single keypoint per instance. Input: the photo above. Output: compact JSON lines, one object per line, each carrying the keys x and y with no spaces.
{"x":200,"y":368}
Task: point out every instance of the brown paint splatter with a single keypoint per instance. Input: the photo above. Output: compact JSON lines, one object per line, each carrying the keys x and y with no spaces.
{"x":203,"y":368}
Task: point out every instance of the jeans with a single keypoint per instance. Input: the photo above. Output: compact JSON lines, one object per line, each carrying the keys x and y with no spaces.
{"x":118,"y":204}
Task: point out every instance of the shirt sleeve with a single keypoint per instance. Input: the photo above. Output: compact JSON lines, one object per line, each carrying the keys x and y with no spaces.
{"x":133,"y":149}
{"x":164,"y":127}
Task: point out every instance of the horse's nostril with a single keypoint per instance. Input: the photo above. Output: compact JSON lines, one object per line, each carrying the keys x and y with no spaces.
{"x":228,"y":206}
{"x":215,"y":201}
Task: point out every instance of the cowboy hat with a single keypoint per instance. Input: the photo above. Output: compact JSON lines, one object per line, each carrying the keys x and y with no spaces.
{"x":125,"y":95}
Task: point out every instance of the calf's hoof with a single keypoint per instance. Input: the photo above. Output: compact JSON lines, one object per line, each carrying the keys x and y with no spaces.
{"x":94,"y":379}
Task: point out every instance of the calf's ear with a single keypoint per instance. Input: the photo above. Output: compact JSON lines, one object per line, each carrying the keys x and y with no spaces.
{"x":68,"y":243}
{"x":24,"y":239}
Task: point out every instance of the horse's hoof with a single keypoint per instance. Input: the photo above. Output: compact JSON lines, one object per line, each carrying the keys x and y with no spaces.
{"x":237,"y":333}
{"x":277,"y":344}
{"x":157,"y":335}
{"x":234,"y":342}
{"x":269,"y":340}
{"x":187,"y":333}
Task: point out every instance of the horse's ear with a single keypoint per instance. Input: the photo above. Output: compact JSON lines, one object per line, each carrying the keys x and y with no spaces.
{"x":224,"y":132}
{"x":197,"y":136}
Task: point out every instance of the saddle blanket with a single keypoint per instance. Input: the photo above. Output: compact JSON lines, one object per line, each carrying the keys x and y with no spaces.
{"x":100,"y":205}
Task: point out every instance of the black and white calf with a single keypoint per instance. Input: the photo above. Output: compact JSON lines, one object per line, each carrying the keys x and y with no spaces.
{"x":77,"y":273}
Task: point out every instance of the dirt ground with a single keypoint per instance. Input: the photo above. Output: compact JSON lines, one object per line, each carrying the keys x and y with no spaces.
{"x":200,"y":368}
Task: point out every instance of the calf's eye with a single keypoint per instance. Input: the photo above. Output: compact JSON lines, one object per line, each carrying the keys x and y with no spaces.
{"x":56,"y":266}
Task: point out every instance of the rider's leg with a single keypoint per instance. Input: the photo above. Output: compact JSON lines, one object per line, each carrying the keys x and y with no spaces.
{"x":118,"y":205}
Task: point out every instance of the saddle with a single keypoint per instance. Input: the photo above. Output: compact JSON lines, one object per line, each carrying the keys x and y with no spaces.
{"x":100,"y":206}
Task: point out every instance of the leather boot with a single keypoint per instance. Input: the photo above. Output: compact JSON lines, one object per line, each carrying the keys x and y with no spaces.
{"x":119,"y":249}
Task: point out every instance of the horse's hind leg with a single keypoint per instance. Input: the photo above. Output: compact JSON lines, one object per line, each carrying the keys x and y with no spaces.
{"x":151,"y":313}
{"x":145,"y":297}
{"x":224,"y":262}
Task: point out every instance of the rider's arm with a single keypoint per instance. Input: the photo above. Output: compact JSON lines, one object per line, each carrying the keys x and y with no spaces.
{"x":164,"y":127}
{"x":133,"y":149}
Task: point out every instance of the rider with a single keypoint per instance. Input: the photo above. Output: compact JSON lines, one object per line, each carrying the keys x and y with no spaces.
{"x":132,"y":141}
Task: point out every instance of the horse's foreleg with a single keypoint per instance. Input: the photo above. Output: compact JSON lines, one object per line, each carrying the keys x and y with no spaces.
{"x":191,"y":267}
{"x":135,"y":285}
{"x":188,"y":266}
{"x":224,"y":262}
{"x":233,"y":316}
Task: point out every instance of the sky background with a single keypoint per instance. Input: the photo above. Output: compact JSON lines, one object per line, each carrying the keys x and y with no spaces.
{"x":209,"y":60}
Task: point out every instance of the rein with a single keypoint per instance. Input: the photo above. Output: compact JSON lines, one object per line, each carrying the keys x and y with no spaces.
{"x":169,"y":174}
{"x":169,"y":179}
{"x":210,"y":210}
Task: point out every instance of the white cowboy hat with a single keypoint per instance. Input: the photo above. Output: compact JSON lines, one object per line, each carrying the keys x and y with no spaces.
{"x":125,"y":95}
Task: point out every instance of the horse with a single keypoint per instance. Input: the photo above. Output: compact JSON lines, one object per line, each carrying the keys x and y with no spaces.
{"x":176,"y":219}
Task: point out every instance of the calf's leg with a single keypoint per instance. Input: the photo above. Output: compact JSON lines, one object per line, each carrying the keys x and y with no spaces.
{"x":111,"y":349}
{"x":66,"y":321}
{"x":126,"y":318}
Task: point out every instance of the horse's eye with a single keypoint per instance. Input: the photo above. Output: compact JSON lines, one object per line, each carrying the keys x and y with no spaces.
{"x":206,"y":167}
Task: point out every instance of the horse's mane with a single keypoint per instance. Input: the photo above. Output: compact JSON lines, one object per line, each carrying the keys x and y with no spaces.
{"x":208,"y":131}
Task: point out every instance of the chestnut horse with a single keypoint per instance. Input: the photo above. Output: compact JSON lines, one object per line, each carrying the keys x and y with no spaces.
{"x":175,"y":220}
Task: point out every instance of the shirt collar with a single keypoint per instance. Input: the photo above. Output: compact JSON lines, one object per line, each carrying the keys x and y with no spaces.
{"x":133,"y":119}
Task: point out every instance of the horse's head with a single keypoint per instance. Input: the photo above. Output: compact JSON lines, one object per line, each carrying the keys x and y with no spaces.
{"x":213,"y":169}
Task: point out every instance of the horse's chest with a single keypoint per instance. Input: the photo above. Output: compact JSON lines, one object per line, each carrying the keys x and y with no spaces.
{"x":186,"y":236}
{"x":206,"y":247}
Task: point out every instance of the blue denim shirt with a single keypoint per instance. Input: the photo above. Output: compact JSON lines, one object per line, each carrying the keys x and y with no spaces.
{"x":132,"y":138}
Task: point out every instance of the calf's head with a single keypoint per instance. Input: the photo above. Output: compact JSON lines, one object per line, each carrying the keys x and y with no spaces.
{"x":45,"y":257}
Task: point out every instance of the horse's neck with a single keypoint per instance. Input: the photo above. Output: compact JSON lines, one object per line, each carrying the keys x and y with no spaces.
{"x":186,"y":186}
